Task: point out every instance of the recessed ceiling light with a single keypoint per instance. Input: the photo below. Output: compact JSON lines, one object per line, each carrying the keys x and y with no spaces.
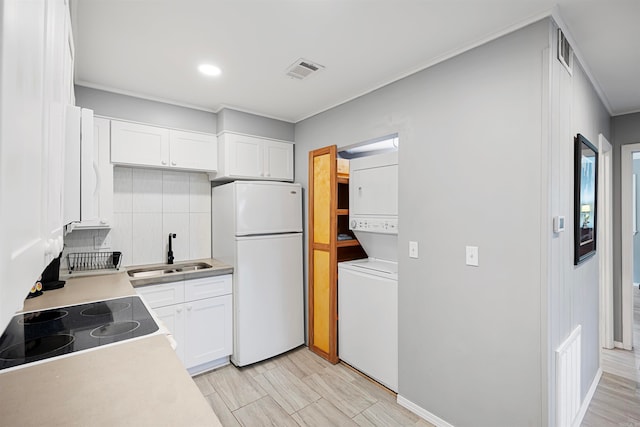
{"x":209,"y":70}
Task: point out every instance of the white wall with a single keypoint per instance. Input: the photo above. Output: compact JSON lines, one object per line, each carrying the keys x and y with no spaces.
{"x":148,"y":205}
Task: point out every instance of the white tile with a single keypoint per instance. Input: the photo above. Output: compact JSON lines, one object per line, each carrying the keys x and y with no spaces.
{"x":147,"y":190}
{"x":199,"y":193}
{"x":79,"y":241}
{"x":148,"y":243}
{"x":122,"y":189}
{"x":175,"y":191}
{"x":177,"y":223}
{"x":122,"y":236}
{"x":200,"y":235}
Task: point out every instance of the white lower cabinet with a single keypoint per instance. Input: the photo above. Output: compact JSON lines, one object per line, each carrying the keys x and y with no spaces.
{"x":198,"y":313}
{"x":206,"y":336}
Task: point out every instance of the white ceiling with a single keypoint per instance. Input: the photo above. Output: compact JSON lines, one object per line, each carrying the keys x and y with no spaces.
{"x":151,"y":48}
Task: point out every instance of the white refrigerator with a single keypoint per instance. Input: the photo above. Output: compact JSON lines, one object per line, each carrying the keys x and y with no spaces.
{"x":257,"y":228}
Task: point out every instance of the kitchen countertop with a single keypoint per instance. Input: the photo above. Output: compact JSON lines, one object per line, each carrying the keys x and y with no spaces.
{"x":136,"y":382}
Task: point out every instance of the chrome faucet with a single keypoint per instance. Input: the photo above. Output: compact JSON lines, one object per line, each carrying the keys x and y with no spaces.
{"x":170,"y":253}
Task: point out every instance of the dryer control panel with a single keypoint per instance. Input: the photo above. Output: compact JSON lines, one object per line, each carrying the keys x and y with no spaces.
{"x":374,"y":225}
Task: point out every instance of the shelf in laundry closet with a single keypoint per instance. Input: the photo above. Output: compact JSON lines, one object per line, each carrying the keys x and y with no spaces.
{"x":342,"y":211}
{"x":345,"y":243}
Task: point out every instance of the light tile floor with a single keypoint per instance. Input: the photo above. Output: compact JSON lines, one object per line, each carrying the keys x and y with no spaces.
{"x":616,"y":402}
{"x":301,"y":389}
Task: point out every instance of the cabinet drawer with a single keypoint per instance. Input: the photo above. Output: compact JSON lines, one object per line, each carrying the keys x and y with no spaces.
{"x":207,"y":287}
{"x":163,"y":294}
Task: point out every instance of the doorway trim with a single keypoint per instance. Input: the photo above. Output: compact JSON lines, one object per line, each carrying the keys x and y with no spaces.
{"x":626,"y":171}
{"x":605,"y":237}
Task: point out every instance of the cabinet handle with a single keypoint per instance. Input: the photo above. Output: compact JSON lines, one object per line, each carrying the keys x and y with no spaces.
{"x":179,"y":310}
{"x":189,"y":308}
{"x":163,"y":162}
{"x":173,"y":163}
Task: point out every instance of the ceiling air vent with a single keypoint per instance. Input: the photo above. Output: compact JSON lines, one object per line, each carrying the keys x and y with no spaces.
{"x":303,"y":68}
{"x":565,"y":52}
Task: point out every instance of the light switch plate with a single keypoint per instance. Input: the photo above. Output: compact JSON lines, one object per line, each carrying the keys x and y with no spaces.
{"x":472,"y":256}
{"x":413,"y":249}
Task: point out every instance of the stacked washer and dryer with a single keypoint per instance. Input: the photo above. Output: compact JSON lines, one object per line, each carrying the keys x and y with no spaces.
{"x":368,"y":288}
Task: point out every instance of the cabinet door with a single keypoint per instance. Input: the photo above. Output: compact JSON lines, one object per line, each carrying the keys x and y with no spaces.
{"x":22,"y":151}
{"x":194,"y":151}
{"x":163,"y":294}
{"x":173,"y":318}
{"x":207,"y":287}
{"x":208,"y":332}
{"x":56,"y":99}
{"x":278,"y":160}
{"x":103,"y":198}
{"x":244,"y":157}
{"x":136,"y":144}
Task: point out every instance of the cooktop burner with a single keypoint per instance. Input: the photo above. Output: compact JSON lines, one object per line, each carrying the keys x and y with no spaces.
{"x":40,"y":335}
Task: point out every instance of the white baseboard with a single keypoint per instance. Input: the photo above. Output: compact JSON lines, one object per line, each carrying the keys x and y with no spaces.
{"x":422,"y":413}
{"x":587,"y":399}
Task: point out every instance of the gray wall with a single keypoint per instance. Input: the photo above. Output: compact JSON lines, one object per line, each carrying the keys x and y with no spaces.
{"x":241,"y":122}
{"x":625,"y":129}
{"x":486,"y":159}
{"x":126,"y":107}
{"x":573,"y":291}
{"x":470,"y":338}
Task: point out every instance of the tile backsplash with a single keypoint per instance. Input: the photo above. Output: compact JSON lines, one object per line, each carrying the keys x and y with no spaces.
{"x":149,"y":204}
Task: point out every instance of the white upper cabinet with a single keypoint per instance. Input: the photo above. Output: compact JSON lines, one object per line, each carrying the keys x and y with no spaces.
{"x":191,"y":150}
{"x":252,"y":157}
{"x":88,"y":171}
{"x":278,"y":160}
{"x":34,"y":89}
{"x":143,"y":145}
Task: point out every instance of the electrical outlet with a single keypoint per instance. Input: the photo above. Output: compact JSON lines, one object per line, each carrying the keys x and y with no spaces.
{"x":413,"y":249}
{"x":472,"y":256}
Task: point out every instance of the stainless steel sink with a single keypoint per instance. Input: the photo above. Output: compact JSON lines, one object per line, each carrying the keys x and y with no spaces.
{"x":167,"y":269}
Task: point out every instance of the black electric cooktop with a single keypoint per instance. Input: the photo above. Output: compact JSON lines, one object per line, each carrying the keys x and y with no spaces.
{"x":43,"y":334}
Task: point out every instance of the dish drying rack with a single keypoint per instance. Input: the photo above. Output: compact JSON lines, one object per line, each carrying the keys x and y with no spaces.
{"x":87,"y":261}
